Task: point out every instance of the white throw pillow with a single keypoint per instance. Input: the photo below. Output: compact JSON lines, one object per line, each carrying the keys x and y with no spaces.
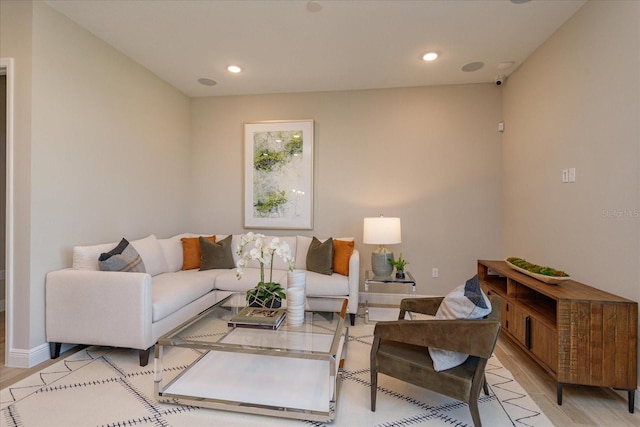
{"x":172,"y":250}
{"x":86,"y":257}
{"x":466,"y":301}
{"x":151,"y":253}
{"x":302,"y":247}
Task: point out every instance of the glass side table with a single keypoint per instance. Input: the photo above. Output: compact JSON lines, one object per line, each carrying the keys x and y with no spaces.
{"x":386,"y":292}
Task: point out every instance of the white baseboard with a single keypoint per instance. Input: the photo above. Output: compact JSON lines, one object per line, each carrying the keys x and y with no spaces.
{"x":20,"y":358}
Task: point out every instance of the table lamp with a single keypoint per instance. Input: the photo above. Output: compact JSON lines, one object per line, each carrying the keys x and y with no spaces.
{"x":381,"y":231}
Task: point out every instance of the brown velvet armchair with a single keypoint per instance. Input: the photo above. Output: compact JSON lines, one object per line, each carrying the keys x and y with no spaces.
{"x":400,"y":350}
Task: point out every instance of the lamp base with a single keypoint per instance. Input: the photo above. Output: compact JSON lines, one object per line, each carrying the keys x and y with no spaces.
{"x":380,"y":263}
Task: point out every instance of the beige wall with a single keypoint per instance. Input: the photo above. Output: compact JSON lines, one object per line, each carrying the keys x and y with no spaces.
{"x":107,"y":152}
{"x":430,"y":155}
{"x":16,"y":42}
{"x":576,"y":103}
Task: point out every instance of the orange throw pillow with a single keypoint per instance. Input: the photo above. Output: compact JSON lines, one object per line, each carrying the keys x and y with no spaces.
{"x":342,"y":251}
{"x":191,"y":255}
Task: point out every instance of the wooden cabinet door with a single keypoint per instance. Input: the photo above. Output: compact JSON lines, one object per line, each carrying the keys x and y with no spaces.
{"x":516,"y":322}
{"x":544,"y":344}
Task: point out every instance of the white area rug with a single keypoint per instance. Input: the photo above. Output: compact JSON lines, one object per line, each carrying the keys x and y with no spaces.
{"x":102,"y":386}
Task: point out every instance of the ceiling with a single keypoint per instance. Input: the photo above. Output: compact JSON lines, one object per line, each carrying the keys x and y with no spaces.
{"x":301,"y":46}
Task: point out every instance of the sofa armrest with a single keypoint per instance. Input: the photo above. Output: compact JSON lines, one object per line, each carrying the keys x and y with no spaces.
{"x":99,"y":308}
{"x":354,"y":282}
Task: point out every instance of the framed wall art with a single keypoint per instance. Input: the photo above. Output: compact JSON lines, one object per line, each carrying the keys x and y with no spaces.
{"x":278,"y":174}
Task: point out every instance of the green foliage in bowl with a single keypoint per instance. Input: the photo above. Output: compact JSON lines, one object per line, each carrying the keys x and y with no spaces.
{"x":546,"y":271}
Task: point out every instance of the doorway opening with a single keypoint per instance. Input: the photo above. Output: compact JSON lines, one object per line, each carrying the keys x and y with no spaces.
{"x":6,"y":193}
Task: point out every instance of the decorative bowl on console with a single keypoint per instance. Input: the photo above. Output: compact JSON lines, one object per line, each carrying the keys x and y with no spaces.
{"x":548,"y":275}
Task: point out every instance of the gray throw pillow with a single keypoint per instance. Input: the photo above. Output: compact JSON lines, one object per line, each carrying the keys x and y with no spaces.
{"x":216,"y":255}
{"x":123,"y":257}
{"x":320,"y":256}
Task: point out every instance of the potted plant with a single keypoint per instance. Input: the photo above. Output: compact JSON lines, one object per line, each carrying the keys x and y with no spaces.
{"x":399,"y":265}
{"x":267,"y":294}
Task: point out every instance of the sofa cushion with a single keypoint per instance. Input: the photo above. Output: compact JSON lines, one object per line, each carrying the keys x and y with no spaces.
{"x":173,"y":291}
{"x":216,"y":254}
{"x":86,"y":257}
{"x":342,"y":251}
{"x":302,"y":248}
{"x":191,"y":252}
{"x":228,"y":281}
{"x":323,"y":285}
{"x":172,"y":250}
{"x":320,"y":256}
{"x":121,"y":258}
{"x":466,"y":301}
{"x":151,"y":253}
{"x":278,"y":262}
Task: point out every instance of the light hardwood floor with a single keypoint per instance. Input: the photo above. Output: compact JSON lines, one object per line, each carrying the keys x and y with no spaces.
{"x":582,"y":406}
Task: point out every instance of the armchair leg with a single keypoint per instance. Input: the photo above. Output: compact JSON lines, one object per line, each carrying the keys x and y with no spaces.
{"x":475,"y":414}
{"x":373,"y":367}
{"x":353,"y":318}
{"x":374,"y":388}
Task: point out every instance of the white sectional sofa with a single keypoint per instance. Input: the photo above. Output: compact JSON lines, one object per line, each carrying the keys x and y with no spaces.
{"x":125,"y":309}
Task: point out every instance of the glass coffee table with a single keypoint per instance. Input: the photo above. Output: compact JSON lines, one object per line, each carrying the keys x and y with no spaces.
{"x":290,"y":372}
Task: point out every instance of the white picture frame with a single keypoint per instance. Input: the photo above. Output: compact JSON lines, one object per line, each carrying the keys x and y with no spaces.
{"x":278,"y":174}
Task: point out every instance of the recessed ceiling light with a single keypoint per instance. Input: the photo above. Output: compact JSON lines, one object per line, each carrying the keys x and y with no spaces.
{"x":472,"y":66}
{"x":234,"y":69}
{"x":207,"y":82}
{"x":314,"y":6}
{"x":430,"y":56}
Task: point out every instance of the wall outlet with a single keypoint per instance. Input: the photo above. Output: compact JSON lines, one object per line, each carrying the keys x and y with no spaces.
{"x":434,"y":272}
{"x":565,"y":175}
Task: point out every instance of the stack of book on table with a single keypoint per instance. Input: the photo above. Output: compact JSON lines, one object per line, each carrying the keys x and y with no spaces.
{"x":258,"y":317}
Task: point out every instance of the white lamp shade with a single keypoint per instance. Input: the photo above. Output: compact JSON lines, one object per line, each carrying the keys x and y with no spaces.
{"x":382,"y":231}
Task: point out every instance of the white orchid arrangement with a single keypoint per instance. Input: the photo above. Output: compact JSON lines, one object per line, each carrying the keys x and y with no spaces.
{"x":263,"y":253}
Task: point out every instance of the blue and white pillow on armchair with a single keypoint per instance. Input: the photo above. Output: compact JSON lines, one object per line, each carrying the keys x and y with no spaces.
{"x":466,"y":301}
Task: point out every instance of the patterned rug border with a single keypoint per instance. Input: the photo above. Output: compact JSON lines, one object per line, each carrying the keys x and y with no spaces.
{"x":516,"y":404}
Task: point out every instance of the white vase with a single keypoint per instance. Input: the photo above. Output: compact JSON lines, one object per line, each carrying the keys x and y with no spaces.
{"x":296,"y":278}
{"x":295,"y":306}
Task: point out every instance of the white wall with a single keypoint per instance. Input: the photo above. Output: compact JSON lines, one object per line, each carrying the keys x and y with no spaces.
{"x":109,"y":155}
{"x":576,"y":103}
{"x":430,"y":155}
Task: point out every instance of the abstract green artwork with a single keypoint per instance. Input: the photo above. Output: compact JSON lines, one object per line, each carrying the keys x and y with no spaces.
{"x":279,"y":174}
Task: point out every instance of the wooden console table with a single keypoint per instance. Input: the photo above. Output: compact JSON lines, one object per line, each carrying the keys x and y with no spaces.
{"x":577,"y":333}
